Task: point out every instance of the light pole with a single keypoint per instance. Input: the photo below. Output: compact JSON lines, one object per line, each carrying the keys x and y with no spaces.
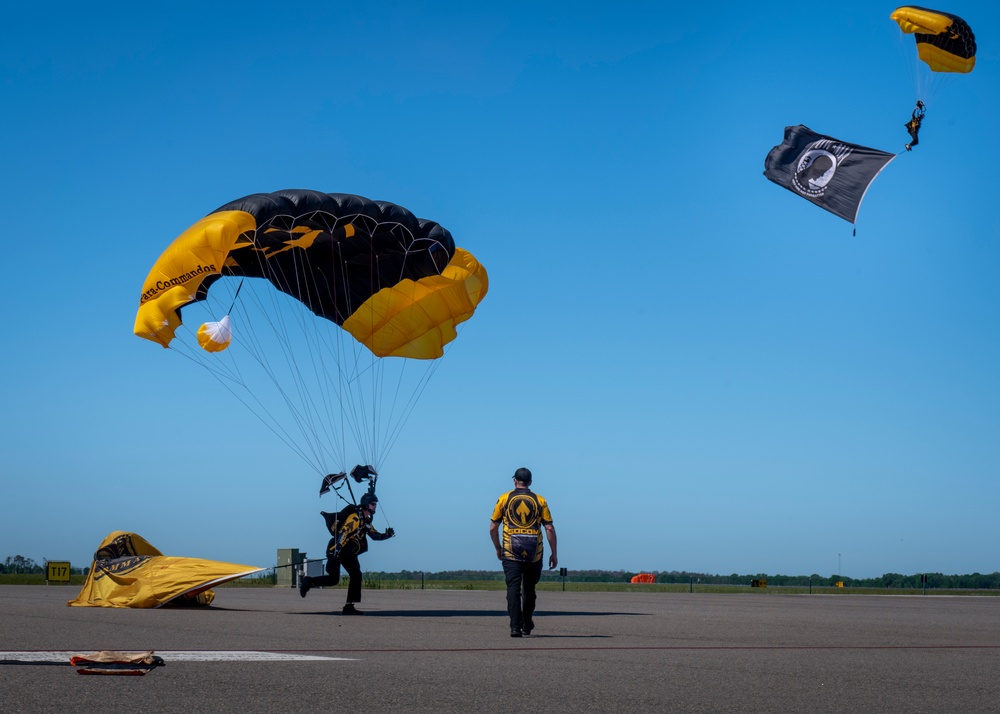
{"x":838,"y":565}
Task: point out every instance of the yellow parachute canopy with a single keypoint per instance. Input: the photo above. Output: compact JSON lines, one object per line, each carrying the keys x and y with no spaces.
{"x":325,"y":314}
{"x":129,"y":572}
{"x":944,"y":41}
{"x":396,"y":282}
{"x":184,"y":271}
{"x":416,"y":319}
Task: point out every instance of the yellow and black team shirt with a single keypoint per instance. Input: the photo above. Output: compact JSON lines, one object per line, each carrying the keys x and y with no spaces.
{"x":523,"y":514}
{"x":351,"y":529}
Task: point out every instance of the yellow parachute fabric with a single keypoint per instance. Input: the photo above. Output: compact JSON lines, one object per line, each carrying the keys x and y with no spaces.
{"x":416,"y":319}
{"x":944,"y":41}
{"x":129,"y":572}
{"x":178,"y":275}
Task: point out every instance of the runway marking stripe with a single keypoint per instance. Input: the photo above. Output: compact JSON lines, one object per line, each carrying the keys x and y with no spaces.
{"x":181,"y":656}
{"x":527,"y":647}
{"x":58,"y":656}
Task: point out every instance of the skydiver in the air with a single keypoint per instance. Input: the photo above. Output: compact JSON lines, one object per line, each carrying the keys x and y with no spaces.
{"x":913,"y":126}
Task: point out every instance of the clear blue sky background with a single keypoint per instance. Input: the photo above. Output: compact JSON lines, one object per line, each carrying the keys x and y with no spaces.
{"x":704,"y":371}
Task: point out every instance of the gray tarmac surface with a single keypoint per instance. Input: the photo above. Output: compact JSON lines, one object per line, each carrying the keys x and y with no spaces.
{"x":450,"y":651}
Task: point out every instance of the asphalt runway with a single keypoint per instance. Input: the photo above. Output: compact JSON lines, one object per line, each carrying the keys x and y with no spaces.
{"x":268,"y":650}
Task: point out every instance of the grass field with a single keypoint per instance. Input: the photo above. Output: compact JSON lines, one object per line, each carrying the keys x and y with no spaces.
{"x":375,"y":581}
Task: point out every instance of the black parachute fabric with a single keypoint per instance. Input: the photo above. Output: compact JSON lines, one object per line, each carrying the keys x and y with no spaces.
{"x":343,"y":231}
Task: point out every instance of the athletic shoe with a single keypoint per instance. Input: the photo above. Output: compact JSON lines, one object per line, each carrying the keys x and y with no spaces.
{"x":349,"y":609}
{"x":305,"y":585}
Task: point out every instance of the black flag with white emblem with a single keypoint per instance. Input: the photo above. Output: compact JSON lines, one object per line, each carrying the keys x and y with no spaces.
{"x":832,"y":174}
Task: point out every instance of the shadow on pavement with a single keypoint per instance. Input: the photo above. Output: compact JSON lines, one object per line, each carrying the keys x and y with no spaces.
{"x":472,"y":613}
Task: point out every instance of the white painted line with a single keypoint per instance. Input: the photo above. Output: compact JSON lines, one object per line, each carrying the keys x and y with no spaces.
{"x":180,"y":656}
{"x":243,"y":656}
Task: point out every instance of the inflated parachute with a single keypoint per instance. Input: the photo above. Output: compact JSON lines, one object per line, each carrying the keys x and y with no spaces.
{"x":944,"y":41}
{"x":945,"y":47}
{"x":308,"y":306}
{"x":395,"y":282}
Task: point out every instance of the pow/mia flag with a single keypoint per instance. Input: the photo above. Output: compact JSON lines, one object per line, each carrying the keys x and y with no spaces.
{"x":832,"y":174}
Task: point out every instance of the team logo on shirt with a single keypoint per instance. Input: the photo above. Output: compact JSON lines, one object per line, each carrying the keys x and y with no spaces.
{"x":522,"y":512}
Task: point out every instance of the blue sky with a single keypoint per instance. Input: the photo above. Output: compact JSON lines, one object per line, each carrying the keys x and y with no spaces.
{"x":704,"y":371}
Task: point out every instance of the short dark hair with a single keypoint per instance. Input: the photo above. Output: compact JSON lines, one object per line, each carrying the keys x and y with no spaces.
{"x":523,"y":475}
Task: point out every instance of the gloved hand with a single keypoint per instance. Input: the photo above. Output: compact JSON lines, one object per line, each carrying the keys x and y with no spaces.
{"x":390,"y":532}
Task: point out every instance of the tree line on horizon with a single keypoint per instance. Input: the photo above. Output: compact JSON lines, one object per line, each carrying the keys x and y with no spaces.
{"x":974,"y":581}
{"x":18,"y":564}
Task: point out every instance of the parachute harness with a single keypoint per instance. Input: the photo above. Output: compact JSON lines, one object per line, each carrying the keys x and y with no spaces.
{"x":334,"y":482}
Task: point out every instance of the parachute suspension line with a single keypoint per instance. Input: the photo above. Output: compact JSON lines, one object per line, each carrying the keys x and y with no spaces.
{"x":320,"y":398}
{"x":384,"y":423}
{"x":354,"y":361}
{"x":330,"y":342}
{"x":339,"y":425}
{"x":257,"y":348}
{"x":388,"y":419}
{"x":394,"y":424}
{"x":292,"y":381}
{"x":349,"y":386}
{"x":325,"y":341}
{"x":225,"y":369}
{"x":315,"y":401}
{"x":373,"y":401}
{"x":411,"y":403}
{"x":354,"y":400}
{"x":378,"y":368}
{"x":260,"y":354}
{"x":908,"y":58}
{"x":271,"y":425}
{"x":238,"y":288}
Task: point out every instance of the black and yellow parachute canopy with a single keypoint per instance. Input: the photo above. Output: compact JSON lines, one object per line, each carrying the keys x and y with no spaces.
{"x":396,"y":282}
{"x":944,"y":41}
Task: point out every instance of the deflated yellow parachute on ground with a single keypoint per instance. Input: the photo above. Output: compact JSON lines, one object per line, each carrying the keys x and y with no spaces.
{"x":309,"y":306}
{"x":944,"y":41}
{"x":129,"y":572}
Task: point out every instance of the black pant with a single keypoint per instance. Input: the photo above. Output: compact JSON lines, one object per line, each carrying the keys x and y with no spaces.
{"x":353,"y":567}
{"x":521,"y":581}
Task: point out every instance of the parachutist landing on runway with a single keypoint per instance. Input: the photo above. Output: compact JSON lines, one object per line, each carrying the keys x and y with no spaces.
{"x":913,"y":126}
{"x":351,"y":528}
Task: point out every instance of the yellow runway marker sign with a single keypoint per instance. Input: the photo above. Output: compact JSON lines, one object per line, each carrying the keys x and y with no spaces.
{"x":57,"y":571}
